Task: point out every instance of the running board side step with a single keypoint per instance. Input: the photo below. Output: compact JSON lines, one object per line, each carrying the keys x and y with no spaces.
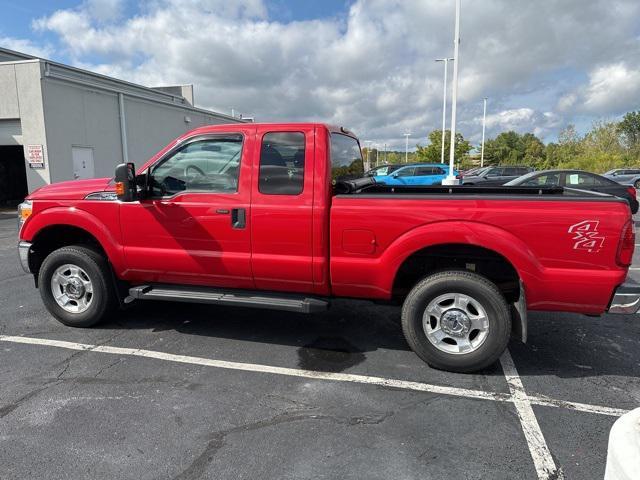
{"x":237,"y":298}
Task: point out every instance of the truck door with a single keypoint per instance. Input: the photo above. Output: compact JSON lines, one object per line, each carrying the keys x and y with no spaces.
{"x":282,"y":208}
{"x":196,"y":226}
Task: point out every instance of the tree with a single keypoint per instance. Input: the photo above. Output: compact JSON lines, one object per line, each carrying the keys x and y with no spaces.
{"x":511,"y":148}
{"x":604,"y":137}
{"x":432,"y":152}
{"x":534,"y":151}
{"x":629,"y":127}
{"x":600,"y":149}
{"x":568,"y":148}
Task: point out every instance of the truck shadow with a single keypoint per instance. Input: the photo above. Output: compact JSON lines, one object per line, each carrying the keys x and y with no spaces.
{"x":329,"y":341}
{"x":560,"y":345}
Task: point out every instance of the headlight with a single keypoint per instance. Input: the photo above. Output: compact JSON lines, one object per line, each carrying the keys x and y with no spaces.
{"x":24,"y":212}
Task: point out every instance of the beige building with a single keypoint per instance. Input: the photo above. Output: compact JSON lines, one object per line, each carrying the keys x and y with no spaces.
{"x":59,"y":122}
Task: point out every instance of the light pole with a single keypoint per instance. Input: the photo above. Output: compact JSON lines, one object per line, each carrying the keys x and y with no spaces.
{"x":368,"y":147}
{"x":451,"y":179}
{"x":444,"y":103}
{"x":377,"y":154}
{"x":406,"y":147}
{"x":385,"y":153}
{"x":484,"y":123}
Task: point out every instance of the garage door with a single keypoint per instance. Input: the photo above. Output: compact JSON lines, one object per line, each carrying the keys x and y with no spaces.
{"x":10,"y":132}
{"x":13,"y":175}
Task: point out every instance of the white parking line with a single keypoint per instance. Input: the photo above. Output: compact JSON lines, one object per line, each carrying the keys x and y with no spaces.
{"x":540,"y":453}
{"x":580,"y":407}
{"x":337,"y":377}
{"x":253,"y":367}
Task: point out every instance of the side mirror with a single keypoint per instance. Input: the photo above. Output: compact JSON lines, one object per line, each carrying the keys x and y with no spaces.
{"x":126,"y":188}
{"x":395,"y":175}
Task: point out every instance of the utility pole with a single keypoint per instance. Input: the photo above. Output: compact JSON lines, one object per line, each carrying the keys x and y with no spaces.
{"x":406,"y":147}
{"x":444,"y":104}
{"x":385,"y":153}
{"x":377,"y":155}
{"x":484,"y":123}
{"x":451,"y":179}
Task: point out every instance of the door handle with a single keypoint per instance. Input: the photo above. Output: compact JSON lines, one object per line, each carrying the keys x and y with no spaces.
{"x":222,"y":211}
{"x":238,"y":218}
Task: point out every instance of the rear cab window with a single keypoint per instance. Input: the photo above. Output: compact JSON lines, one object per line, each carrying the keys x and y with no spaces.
{"x":282,"y":156}
{"x":346,"y":158}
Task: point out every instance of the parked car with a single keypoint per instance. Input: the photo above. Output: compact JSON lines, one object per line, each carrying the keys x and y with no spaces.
{"x":578,"y":179}
{"x":288,"y":223}
{"x":473,"y":171}
{"x":624,"y":176}
{"x":417,"y":174}
{"x":384,"y":169}
{"x":495,"y":175}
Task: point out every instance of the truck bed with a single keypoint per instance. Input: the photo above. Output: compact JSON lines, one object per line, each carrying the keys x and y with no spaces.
{"x":546,"y":233}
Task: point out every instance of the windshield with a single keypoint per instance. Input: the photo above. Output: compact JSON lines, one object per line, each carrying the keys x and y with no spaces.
{"x":346,"y":158}
{"x":480,"y":171}
{"x":522,"y":179}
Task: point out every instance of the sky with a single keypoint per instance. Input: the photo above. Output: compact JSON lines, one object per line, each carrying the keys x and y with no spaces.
{"x":368,"y":65}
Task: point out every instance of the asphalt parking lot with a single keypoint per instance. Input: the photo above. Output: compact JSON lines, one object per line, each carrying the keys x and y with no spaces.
{"x":179,"y":391}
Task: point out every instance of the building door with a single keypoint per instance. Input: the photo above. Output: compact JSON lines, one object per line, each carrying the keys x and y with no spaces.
{"x":13,"y":175}
{"x":82,"y":162}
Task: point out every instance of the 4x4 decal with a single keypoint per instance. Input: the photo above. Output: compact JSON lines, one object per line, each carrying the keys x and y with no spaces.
{"x":586,"y":236}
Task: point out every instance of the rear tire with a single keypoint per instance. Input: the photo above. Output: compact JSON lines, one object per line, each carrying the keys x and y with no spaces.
{"x":76,"y":286}
{"x":456,"y":321}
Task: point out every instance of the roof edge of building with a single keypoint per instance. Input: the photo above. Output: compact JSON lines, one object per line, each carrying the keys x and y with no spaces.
{"x":108,"y":83}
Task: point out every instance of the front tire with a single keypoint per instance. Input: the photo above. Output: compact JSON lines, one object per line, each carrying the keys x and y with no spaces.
{"x":76,"y":287}
{"x":456,"y":321}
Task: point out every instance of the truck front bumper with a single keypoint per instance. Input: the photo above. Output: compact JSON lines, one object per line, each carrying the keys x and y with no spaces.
{"x":626,"y":299}
{"x":23,"y":252}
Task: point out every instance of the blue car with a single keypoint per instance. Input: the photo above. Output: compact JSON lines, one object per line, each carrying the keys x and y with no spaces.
{"x":417,"y":174}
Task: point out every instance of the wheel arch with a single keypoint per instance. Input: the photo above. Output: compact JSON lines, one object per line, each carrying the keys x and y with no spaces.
{"x":488,"y":250}
{"x":58,"y":227}
{"x":457,"y":256}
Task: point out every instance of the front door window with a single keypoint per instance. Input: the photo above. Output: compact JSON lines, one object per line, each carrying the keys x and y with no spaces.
{"x":206,"y":165}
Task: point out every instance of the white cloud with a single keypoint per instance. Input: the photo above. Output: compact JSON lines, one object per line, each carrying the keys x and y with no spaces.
{"x":26,"y":46}
{"x":105,"y":10}
{"x":611,"y":89}
{"x":521,"y":120}
{"x":511,"y":119}
{"x":373,"y":71}
{"x":567,"y":101}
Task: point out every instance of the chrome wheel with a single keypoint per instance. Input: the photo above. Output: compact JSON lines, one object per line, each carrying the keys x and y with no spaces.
{"x":455,"y":323}
{"x":71,"y":288}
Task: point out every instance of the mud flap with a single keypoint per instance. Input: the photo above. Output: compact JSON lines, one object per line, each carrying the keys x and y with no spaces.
{"x":519,"y":316}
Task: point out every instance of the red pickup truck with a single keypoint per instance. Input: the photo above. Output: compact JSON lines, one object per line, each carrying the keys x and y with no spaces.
{"x":277,"y":216}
